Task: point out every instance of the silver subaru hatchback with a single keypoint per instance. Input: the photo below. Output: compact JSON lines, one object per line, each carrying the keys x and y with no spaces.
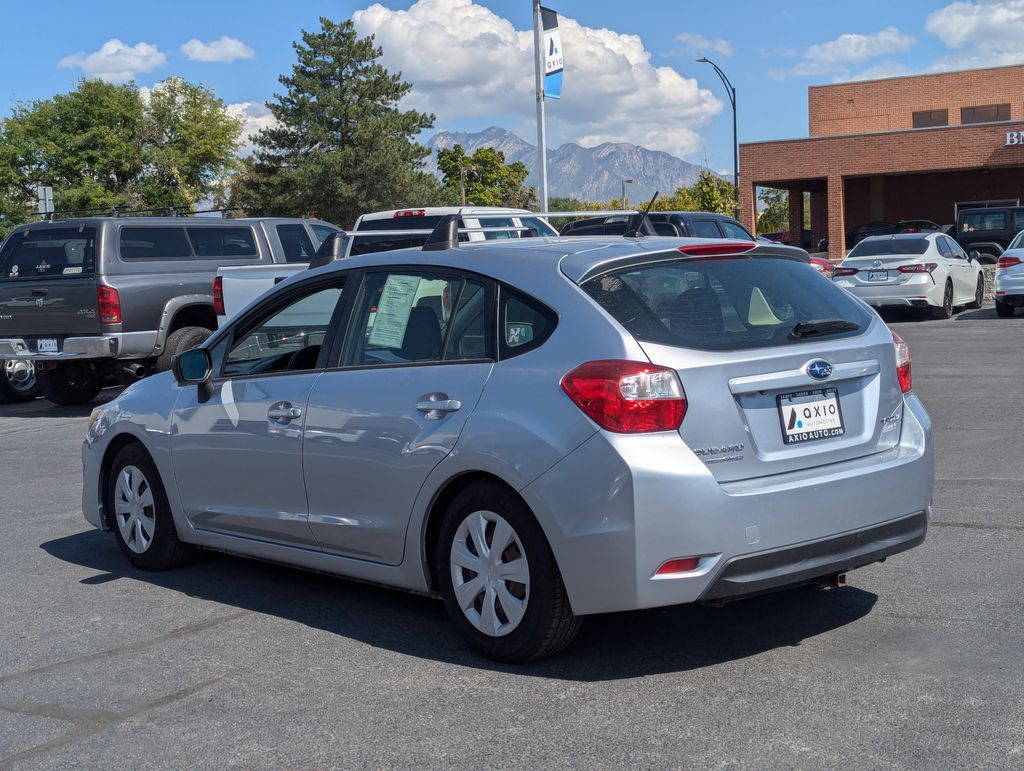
{"x":534,"y":430}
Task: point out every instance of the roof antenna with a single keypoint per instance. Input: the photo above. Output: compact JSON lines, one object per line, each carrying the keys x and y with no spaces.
{"x":445,"y":235}
{"x":638,"y":222}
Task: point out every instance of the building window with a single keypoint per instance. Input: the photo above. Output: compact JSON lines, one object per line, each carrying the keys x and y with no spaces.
{"x":929,"y":118}
{"x":986,"y":114}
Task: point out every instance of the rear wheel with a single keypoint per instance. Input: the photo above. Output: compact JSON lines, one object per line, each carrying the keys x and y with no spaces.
{"x":138,"y":512}
{"x":945,"y":310}
{"x":18,"y":381}
{"x":68,"y":384}
{"x":1004,"y":309}
{"x":179,"y":341}
{"x":500,"y":582}
{"x":979,"y":293}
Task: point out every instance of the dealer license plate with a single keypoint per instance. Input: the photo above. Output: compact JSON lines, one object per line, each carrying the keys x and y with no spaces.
{"x":810,"y":415}
{"x":878,"y":275}
{"x":46,"y":345}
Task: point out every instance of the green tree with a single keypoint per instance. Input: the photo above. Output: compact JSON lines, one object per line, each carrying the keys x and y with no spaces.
{"x":774,"y":217}
{"x":341,"y":146}
{"x":485,"y":177}
{"x":712,"y":193}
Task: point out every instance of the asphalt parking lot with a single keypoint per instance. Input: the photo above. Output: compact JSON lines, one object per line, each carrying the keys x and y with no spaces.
{"x":918,"y":663}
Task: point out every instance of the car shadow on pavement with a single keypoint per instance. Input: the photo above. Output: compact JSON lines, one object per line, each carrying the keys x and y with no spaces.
{"x":41,"y":408}
{"x":610,"y":647}
{"x":904,"y":315}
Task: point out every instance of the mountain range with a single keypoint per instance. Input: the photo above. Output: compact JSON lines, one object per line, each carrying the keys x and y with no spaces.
{"x":584,"y":173}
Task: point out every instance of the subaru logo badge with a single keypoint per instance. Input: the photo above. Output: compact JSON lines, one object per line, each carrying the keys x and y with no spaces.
{"x":819,"y":369}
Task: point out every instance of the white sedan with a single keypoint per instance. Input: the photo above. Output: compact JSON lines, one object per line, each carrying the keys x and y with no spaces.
{"x":912,"y":270}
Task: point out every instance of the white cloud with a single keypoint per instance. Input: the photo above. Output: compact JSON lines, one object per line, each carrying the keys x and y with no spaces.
{"x":223,"y":49}
{"x":254,"y":116}
{"x":116,"y":61}
{"x":465,"y":61}
{"x":835,"y":57}
{"x":985,"y":34}
{"x":698,"y":44}
{"x":876,"y":72}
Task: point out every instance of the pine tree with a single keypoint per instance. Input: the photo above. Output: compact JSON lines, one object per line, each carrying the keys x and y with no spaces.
{"x":340,"y":146}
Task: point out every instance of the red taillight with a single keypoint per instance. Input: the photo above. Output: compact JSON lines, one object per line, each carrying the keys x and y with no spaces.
{"x":679,"y":565}
{"x":836,"y":272}
{"x":109,"y":304}
{"x":410,"y":213}
{"x":218,"y":296}
{"x":902,"y":362}
{"x":926,"y":267}
{"x":1007,"y":262}
{"x":707,"y":250}
{"x":627,"y":396}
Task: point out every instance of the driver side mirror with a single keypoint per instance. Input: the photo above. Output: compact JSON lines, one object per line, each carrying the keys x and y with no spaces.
{"x":973,"y":254}
{"x":333,"y":248}
{"x":195,"y":367}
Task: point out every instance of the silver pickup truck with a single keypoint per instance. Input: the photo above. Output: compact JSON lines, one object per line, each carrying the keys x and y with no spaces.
{"x":83,"y":300}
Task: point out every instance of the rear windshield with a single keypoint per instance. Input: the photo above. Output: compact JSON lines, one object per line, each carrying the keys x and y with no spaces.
{"x":721,"y":304}
{"x":983,"y":220}
{"x":371,"y":244}
{"x":884,"y":246}
{"x":49,"y":253}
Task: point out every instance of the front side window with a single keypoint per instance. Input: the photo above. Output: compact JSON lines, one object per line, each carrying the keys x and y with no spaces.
{"x":154,"y":243}
{"x":732,"y":230}
{"x":289,"y":339}
{"x":322,"y":231}
{"x":296,"y":243}
{"x":705,"y":229}
{"x":406,"y":318}
{"x":727,"y":304}
{"x":220,"y":241}
{"x":49,"y":253}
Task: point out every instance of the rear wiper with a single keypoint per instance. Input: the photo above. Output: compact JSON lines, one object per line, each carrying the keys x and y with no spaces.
{"x":822,"y":327}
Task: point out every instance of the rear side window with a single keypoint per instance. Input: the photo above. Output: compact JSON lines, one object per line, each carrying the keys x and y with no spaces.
{"x":705,"y":229}
{"x":217,"y":241}
{"x":296,"y":243}
{"x":154,"y":243}
{"x":982,"y":221}
{"x":49,"y":253}
{"x":944,"y":248}
{"x":523,"y":323}
{"x":886,"y":246}
{"x":725,"y":304}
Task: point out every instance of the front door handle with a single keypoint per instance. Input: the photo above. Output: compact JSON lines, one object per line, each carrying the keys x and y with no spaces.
{"x":283,"y":412}
{"x":437,"y":405}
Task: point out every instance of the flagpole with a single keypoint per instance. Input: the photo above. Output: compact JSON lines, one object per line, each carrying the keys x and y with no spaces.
{"x":542,"y":155}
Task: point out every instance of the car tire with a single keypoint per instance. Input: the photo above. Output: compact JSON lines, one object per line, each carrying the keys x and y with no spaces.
{"x":18,"y":381}
{"x":979,"y":293}
{"x":1004,"y":309}
{"x":179,"y":341}
{"x":69,"y":384}
{"x":945,"y":310}
{"x":538,"y":617}
{"x":137,"y":510}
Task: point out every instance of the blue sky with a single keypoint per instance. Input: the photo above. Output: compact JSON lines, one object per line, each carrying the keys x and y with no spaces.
{"x":630,"y":72}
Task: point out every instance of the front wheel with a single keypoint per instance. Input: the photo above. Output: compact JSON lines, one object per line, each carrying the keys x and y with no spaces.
{"x":500,"y":582}
{"x":945,"y":311}
{"x":70,"y":384}
{"x":979,"y":293}
{"x":1004,"y":309}
{"x":138,"y":512}
{"x":17,"y":381}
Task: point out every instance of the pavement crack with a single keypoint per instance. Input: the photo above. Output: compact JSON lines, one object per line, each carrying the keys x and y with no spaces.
{"x":174,"y":634}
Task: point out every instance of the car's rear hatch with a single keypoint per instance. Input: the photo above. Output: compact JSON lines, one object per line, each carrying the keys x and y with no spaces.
{"x":878,"y":262}
{"x":765,"y":349}
{"x":48,"y":283}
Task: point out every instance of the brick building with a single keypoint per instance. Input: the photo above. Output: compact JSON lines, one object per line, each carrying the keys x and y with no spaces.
{"x":900,"y":148}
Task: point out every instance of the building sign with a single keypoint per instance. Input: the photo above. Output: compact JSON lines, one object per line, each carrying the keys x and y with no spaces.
{"x":1014,"y":138}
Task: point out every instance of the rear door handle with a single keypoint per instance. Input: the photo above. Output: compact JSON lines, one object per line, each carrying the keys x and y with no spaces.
{"x":437,"y":405}
{"x":283,"y":412}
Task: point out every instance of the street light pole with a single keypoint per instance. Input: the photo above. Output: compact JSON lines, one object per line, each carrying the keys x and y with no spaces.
{"x":624,"y":183}
{"x":730,"y":90}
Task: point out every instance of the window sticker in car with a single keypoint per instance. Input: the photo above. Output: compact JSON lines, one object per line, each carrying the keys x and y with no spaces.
{"x":518,"y":333}
{"x":393,"y":311}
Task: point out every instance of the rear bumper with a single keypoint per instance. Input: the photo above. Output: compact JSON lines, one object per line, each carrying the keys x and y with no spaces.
{"x":792,"y":565}
{"x":917,"y":291}
{"x":1010,"y":289}
{"x":117,"y":345}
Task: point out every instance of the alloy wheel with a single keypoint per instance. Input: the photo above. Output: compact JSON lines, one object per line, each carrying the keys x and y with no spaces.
{"x":490,"y":573}
{"x":979,"y":293}
{"x":947,"y":300}
{"x":134,"y":509}
{"x":21,"y":376}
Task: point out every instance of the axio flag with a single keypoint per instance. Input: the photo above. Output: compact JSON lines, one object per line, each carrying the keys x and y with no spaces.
{"x":552,"y":54}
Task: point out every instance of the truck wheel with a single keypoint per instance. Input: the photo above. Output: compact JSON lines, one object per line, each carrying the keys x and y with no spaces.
{"x":179,"y":341}
{"x":69,"y":384}
{"x":17,"y":381}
